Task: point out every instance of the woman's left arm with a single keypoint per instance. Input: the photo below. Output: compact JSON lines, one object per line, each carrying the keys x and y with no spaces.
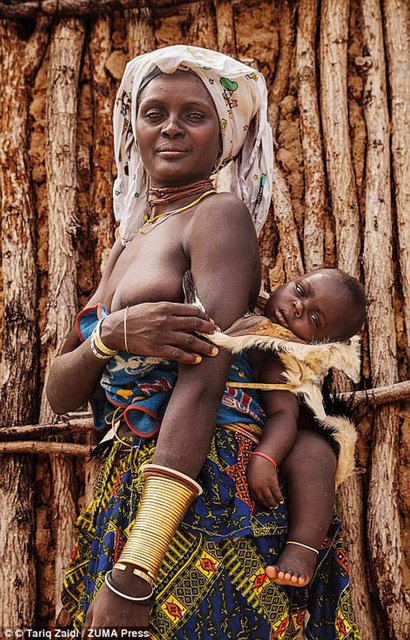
{"x":224,"y":257}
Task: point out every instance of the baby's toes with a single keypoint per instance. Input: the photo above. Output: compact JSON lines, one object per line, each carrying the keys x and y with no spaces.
{"x":272,"y":571}
{"x":282,"y":574}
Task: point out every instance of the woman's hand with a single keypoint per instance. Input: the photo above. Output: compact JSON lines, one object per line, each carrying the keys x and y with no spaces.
{"x":109,"y":611}
{"x":161,"y":330}
{"x":263,"y":482}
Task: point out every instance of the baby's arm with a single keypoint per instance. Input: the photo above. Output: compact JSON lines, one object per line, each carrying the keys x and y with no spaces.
{"x":279,"y":435}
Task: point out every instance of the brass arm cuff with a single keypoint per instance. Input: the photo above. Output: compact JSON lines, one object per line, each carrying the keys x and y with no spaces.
{"x":167,"y":496}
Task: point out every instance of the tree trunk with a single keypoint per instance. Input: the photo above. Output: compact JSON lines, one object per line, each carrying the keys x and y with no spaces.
{"x":201,"y":25}
{"x":103,"y":93}
{"x":313,"y":230}
{"x":397,"y":20}
{"x":225,"y":27}
{"x":21,"y":55}
{"x":333,"y":79}
{"x":65,"y":59}
{"x":140,"y":37}
{"x":383,"y":513}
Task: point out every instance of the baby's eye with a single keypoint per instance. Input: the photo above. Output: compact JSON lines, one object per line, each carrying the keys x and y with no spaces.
{"x":300,"y":290}
{"x":315,"y":320}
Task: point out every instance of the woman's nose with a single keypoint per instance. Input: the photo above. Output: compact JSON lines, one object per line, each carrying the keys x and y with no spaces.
{"x":297,"y":308}
{"x":172,"y":128}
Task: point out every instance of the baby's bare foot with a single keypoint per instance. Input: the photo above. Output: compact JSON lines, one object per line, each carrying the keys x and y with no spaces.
{"x":294,"y":567}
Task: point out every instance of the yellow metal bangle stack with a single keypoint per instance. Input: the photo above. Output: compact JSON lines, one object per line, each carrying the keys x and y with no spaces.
{"x":166,"y":498}
{"x":98,"y":347}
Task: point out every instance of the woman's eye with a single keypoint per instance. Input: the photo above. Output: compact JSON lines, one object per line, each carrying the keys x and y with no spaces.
{"x":152,"y":115}
{"x":300,"y":290}
{"x":195,"y":115}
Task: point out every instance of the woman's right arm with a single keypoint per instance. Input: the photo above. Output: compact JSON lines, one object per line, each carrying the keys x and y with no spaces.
{"x":160,"y":329}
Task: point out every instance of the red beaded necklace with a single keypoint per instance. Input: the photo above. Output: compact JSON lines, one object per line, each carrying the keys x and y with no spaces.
{"x":170,"y":194}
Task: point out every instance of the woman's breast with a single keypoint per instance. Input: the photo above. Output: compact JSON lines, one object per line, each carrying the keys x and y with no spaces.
{"x":150,"y":269}
{"x":141,"y":289}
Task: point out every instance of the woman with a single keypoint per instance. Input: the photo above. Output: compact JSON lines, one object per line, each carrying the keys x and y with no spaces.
{"x":180,"y":112}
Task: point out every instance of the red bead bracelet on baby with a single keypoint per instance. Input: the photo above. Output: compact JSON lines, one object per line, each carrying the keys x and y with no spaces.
{"x":264,"y":455}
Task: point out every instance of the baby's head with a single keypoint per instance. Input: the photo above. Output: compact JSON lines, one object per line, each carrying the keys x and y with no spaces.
{"x":323,"y":305}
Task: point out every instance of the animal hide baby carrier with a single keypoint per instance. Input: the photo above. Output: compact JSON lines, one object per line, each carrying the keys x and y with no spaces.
{"x":305,"y":367}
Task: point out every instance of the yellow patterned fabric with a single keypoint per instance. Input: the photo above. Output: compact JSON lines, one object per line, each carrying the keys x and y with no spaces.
{"x":208,"y":587}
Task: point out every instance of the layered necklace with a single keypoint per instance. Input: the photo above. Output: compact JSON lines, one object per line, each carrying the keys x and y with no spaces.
{"x":170,"y":194}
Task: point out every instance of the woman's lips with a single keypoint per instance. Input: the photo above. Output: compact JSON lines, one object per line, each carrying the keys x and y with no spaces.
{"x":172,"y":153}
{"x":281,"y":318}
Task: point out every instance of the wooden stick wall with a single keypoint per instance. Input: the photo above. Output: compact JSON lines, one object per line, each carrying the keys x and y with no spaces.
{"x":337,"y":72}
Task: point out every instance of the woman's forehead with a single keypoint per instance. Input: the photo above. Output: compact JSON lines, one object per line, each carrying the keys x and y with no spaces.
{"x":182,"y":83}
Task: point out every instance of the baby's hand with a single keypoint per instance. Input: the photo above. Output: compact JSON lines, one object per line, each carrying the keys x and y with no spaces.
{"x":263,"y":482}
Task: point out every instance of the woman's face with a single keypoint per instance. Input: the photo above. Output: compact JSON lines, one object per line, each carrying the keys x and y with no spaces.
{"x":177,"y":130}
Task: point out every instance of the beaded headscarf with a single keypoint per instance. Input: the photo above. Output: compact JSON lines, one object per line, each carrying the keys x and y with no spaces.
{"x":240,"y":97}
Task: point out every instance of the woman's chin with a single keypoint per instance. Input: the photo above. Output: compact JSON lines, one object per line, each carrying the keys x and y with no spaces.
{"x":176,"y":175}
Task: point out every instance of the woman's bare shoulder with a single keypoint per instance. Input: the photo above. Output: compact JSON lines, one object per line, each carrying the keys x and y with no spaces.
{"x":223,"y":219}
{"x":226,"y":201}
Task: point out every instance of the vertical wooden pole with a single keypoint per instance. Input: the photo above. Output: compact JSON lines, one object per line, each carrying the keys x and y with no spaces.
{"x":65,"y":58}
{"x":101,"y":207}
{"x":140,"y":35}
{"x":202,"y":31}
{"x":334,"y":110}
{"x":397,"y":32}
{"x":383,"y":509}
{"x":289,"y":249}
{"x":280,"y":83}
{"x":333,"y":90}
{"x":225,"y":27}
{"x":21,"y":56}
{"x":314,"y":172}
{"x":103,"y":95}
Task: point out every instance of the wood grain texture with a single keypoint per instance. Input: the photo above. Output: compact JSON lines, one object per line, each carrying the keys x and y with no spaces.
{"x":21,"y":55}
{"x":62,"y":97}
{"x":383,"y":513}
{"x":314,"y":171}
{"x":397,"y":34}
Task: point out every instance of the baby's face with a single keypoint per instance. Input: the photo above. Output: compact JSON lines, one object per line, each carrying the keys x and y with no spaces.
{"x":315,"y":307}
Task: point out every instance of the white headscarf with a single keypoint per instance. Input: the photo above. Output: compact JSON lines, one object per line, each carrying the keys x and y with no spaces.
{"x":240,"y":97}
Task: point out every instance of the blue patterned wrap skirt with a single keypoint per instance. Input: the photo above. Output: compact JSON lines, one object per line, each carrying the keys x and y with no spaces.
{"x":212,"y":584}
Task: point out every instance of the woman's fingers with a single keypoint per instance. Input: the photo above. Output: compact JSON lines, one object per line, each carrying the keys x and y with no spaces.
{"x":192,"y":323}
{"x":198,"y":319}
{"x":191,"y":343}
{"x":183,"y":357}
{"x":182,"y":309}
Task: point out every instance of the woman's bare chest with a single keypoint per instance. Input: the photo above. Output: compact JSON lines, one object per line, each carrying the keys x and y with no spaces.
{"x":150,"y":269}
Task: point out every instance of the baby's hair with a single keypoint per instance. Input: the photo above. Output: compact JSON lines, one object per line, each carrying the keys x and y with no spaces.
{"x":355,"y":291}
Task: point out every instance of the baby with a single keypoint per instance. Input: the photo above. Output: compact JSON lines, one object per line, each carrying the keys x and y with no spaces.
{"x":324,"y":305}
